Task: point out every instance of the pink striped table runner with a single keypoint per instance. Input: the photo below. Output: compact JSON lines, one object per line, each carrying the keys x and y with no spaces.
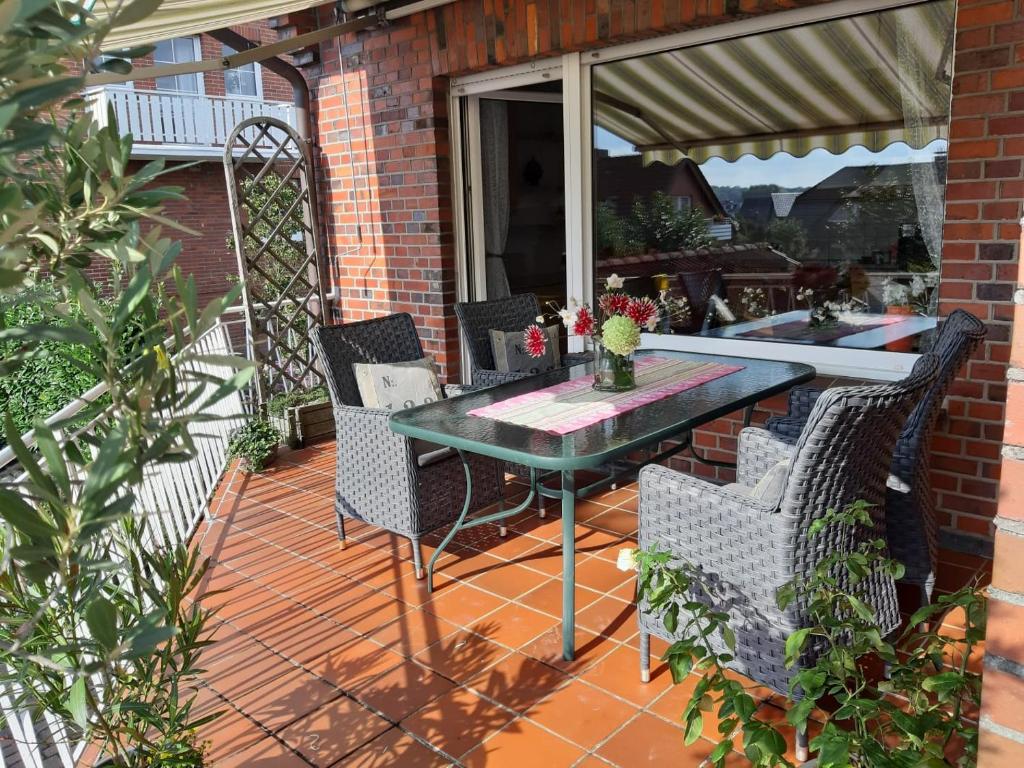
{"x":572,"y":405}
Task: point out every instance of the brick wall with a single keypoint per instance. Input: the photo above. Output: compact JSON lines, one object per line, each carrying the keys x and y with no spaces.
{"x":1002,"y":727}
{"x":384,"y":172}
{"x":206,"y":255}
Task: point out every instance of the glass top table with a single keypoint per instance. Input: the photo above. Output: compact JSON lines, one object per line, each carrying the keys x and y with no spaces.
{"x":448,"y":423}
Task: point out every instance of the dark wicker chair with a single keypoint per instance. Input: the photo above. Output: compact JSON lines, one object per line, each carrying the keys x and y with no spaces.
{"x":513,"y":313}
{"x":910,"y":502}
{"x":384,"y":478}
{"x":699,"y":287}
{"x":748,"y":547}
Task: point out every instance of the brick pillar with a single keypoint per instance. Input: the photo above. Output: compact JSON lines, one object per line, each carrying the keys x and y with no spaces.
{"x":1002,"y":713}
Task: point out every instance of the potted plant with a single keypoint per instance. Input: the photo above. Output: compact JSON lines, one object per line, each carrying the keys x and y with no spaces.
{"x":912,"y":715}
{"x":255,"y":443}
{"x":302,"y":416}
{"x":911,"y":298}
{"x":615,"y":335}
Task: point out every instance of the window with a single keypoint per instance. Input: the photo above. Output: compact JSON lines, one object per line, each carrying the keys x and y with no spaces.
{"x":812,"y":163}
{"x":178,"y":51}
{"x":240,"y":81}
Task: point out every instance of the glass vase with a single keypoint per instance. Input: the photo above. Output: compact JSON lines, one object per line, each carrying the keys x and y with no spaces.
{"x":613,"y":373}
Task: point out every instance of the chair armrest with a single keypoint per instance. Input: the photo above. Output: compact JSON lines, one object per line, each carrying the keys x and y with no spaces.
{"x":485,"y":378}
{"x":801,"y":403}
{"x":456,"y":390}
{"x":723,"y":531}
{"x":759,"y":450}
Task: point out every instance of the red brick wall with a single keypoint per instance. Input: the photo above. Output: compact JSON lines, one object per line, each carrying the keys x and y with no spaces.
{"x":397,"y":252}
{"x":206,"y":255}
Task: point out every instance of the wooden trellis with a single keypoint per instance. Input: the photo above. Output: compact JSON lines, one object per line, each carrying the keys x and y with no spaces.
{"x":277,"y":241}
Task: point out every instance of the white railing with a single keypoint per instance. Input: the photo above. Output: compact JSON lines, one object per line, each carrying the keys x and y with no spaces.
{"x":172,"y":497}
{"x":191,"y":123}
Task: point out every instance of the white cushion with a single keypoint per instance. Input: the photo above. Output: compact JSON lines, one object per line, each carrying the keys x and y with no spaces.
{"x":397,"y":386}
{"x":769,"y":488}
{"x":510,"y":355}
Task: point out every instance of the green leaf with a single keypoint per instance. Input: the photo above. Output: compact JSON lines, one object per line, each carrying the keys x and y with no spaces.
{"x":24,"y":517}
{"x":101,"y":618}
{"x":942,"y":683}
{"x":795,"y":644}
{"x":694,"y":726}
{"x":76,"y":703}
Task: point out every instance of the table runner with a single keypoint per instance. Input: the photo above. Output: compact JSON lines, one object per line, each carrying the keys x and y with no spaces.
{"x":572,"y":405}
{"x":799,"y":330}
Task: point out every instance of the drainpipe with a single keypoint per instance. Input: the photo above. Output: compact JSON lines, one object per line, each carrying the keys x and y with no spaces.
{"x":300,"y":89}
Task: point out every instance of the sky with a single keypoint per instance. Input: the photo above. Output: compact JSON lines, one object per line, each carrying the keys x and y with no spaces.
{"x":784,"y":169}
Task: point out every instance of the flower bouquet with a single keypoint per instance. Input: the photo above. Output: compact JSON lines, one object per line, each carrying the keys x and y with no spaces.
{"x":615,"y":330}
{"x":822,"y":289}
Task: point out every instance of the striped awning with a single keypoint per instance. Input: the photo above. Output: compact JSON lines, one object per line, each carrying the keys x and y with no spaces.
{"x":868,"y":80}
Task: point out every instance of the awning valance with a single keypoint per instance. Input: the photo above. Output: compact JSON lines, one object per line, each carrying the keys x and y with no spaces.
{"x":868,"y":80}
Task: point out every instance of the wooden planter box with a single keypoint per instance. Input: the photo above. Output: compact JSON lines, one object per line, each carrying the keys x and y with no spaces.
{"x":305,"y":424}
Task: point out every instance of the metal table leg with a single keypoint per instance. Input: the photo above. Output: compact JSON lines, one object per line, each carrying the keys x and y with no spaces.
{"x":568,"y":565}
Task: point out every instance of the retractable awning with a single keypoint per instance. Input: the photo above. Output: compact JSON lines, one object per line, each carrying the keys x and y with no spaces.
{"x":868,"y":80}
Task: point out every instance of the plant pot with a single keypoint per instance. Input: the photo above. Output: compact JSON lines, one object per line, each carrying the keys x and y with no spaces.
{"x":900,"y":345}
{"x":302,"y":425}
{"x":270,"y":459}
{"x":613,"y":373}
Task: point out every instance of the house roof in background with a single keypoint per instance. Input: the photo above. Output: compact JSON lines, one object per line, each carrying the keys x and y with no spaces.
{"x":832,"y":85}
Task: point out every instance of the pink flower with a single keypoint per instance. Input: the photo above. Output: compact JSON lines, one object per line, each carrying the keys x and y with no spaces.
{"x":641,"y":311}
{"x":613,"y":303}
{"x":584,"y":325}
{"x":536,"y":339}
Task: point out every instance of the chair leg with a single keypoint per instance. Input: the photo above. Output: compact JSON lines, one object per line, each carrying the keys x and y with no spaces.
{"x":540,"y":507}
{"x":341,"y":531}
{"x":802,"y":752}
{"x":645,"y":657}
{"x":417,"y":559}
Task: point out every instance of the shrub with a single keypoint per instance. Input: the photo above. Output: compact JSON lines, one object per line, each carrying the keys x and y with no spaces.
{"x":254,"y":443}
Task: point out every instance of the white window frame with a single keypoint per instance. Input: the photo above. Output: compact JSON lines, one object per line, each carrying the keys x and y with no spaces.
{"x":574,"y":69}
{"x":257,"y":71}
{"x":197,"y":50}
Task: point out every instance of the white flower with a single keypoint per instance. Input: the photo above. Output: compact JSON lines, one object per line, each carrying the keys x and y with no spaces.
{"x":652,"y":324}
{"x":626,"y":560}
{"x":568,"y":317}
{"x":614,"y":282}
{"x":540,"y":319}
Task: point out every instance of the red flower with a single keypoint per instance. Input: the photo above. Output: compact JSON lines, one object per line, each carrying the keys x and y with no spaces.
{"x":584,"y":325}
{"x":613,"y":303}
{"x":641,"y":311}
{"x":536,"y":339}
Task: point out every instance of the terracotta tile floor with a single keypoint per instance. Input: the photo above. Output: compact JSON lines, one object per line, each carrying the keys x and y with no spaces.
{"x":331,"y":657}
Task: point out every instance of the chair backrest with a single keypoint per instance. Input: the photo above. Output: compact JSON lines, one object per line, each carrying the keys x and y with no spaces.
{"x":699,"y":287}
{"x":390,"y":339}
{"x":958,"y":337}
{"x":478,"y":318}
{"x":843,"y":455}
{"x":845,"y":448}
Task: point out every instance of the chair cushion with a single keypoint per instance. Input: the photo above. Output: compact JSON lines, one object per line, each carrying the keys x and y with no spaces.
{"x":396,"y":386}
{"x":510,"y":355}
{"x":769,"y":488}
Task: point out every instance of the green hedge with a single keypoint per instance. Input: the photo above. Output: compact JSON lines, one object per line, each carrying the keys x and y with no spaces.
{"x":48,"y":380}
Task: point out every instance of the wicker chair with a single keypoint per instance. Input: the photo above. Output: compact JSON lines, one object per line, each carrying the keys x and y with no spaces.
{"x":478,"y":318}
{"x":747,"y":547}
{"x":910,"y":503}
{"x":383,"y":478}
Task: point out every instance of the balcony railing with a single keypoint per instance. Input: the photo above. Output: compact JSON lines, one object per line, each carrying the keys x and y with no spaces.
{"x":180,"y":124}
{"x":172,"y":497}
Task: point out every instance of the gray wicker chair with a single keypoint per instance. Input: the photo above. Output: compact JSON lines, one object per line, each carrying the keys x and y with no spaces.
{"x":748,"y":547}
{"x":910,"y":503}
{"x":384,"y":478}
{"x":513,"y":313}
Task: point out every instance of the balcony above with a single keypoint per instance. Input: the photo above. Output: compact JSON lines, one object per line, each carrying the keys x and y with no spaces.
{"x":180,"y":125}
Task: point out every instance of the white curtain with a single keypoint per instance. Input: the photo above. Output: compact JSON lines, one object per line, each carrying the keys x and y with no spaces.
{"x":494,"y":160}
{"x":919,"y":87}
